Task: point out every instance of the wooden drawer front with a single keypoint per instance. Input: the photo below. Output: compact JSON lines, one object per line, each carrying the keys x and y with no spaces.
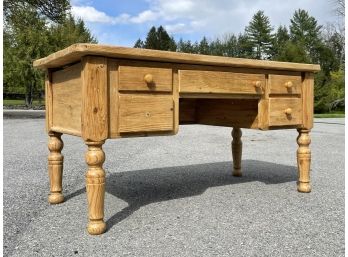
{"x":145,"y":79}
{"x":193,"y":81}
{"x":285,"y":84}
{"x":285,"y":111}
{"x":146,"y":113}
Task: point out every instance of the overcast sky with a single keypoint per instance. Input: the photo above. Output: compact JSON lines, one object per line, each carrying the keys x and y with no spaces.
{"x":121,"y":22}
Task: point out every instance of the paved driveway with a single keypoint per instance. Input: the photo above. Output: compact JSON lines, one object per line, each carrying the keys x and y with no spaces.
{"x":174,"y":196}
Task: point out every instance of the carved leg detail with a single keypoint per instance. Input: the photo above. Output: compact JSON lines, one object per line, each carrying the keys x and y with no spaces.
{"x":237,"y":151}
{"x":55,"y":167}
{"x":95,"y":187}
{"x":303,"y":161}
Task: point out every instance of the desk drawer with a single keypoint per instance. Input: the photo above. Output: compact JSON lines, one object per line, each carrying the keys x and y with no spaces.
{"x":198,"y":81}
{"x":285,"y":84}
{"x":145,"y":79}
{"x":285,"y":111}
{"x":145,"y":113}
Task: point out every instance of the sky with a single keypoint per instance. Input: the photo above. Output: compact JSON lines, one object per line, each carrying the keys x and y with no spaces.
{"x":122,"y":22}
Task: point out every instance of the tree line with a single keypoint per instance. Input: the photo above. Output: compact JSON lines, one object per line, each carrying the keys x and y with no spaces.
{"x":34,"y":29}
{"x":304,"y":41}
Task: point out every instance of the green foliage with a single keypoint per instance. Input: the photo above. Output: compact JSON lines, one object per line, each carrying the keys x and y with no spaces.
{"x":157,"y":39}
{"x":32,"y":30}
{"x":259,"y":33}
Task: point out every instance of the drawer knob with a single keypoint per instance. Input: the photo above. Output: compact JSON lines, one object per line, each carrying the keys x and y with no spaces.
{"x":148,"y":78}
{"x":257,"y":84}
{"x":288,"y":111}
{"x":288,"y":84}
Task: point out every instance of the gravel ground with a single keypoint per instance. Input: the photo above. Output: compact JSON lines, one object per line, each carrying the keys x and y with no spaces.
{"x":174,"y":196}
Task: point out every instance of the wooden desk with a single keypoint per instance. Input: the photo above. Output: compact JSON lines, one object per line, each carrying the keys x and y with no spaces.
{"x":99,"y":92}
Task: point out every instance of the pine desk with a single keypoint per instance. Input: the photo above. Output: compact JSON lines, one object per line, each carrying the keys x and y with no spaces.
{"x":99,"y":92}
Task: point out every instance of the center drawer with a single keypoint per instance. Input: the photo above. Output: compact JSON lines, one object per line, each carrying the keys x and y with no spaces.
{"x":145,"y":113}
{"x":205,"y":81}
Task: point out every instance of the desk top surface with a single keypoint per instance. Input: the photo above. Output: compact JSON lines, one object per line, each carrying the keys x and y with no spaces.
{"x":74,"y":53}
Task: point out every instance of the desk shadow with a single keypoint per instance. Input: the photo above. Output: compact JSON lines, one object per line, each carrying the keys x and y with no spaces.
{"x":141,"y":187}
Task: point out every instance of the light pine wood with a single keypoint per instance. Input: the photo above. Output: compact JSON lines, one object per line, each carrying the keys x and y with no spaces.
{"x":198,"y":81}
{"x":308,"y":100}
{"x":145,"y":79}
{"x":75,"y":52}
{"x":237,"y":146}
{"x":146,"y":113}
{"x":67,"y":99}
{"x":94,"y":115}
{"x":285,"y":111}
{"x":227,"y":112}
{"x":303,"y":161}
{"x":99,"y":92}
{"x":285,"y":84}
{"x":48,"y":99}
{"x":113,"y":97}
{"x":95,"y":187}
{"x":55,"y":167}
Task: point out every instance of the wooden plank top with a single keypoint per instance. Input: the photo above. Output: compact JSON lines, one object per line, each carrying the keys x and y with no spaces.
{"x":74,"y":53}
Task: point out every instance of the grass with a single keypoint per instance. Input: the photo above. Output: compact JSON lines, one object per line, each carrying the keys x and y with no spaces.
{"x":329,"y":115}
{"x":13,"y":102}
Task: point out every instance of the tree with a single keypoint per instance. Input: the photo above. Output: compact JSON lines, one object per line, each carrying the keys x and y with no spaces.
{"x":259,"y":32}
{"x":139,"y":44}
{"x":280,"y":39}
{"x":305,"y":30}
{"x":203,"y":47}
{"x":32,"y":32}
{"x":159,"y":39}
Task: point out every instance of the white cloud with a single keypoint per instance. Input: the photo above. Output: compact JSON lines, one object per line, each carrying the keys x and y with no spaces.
{"x":206,"y":17}
{"x":145,"y":16}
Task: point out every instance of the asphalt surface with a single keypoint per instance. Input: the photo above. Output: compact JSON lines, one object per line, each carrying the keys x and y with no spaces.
{"x":174,"y":196}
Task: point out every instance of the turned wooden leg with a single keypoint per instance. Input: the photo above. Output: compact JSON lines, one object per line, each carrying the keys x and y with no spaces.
{"x":95,"y":187}
{"x":237,"y":151}
{"x":303,"y":160}
{"x":55,"y":167}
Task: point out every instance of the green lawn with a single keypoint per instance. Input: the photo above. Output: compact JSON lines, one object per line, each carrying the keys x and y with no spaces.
{"x":329,"y":115}
{"x":8,"y":102}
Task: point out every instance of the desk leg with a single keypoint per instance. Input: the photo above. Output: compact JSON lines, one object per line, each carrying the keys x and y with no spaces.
{"x":95,"y":187}
{"x":237,"y":151}
{"x":303,"y":161}
{"x":55,"y":167}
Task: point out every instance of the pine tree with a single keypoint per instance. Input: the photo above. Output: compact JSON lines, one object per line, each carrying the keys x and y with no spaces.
{"x":159,"y":39}
{"x":305,"y":30}
{"x":280,"y":39}
{"x":259,"y":32}
{"x":204,"y":46}
{"x":139,"y":44}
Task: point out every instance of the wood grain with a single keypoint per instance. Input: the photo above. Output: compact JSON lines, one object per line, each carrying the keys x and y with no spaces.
{"x":55,"y":167}
{"x":133,"y":78}
{"x":146,"y":113}
{"x":303,"y":161}
{"x":237,"y":147}
{"x":198,"y":81}
{"x":66,"y":98}
{"x":285,"y":84}
{"x":48,"y":99}
{"x":227,"y":112}
{"x":308,"y":100}
{"x":95,"y":187}
{"x":75,"y":52}
{"x":113,"y":97}
{"x":94,"y":118}
{"x":278,"y":107}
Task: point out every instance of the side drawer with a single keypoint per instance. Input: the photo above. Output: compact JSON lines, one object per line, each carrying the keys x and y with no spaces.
{"x":285,"y":111}
{"x":285,"y":84}
{"x":139,"y":78}
{"x":203,"y":81}
{"x":145,"y":113}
